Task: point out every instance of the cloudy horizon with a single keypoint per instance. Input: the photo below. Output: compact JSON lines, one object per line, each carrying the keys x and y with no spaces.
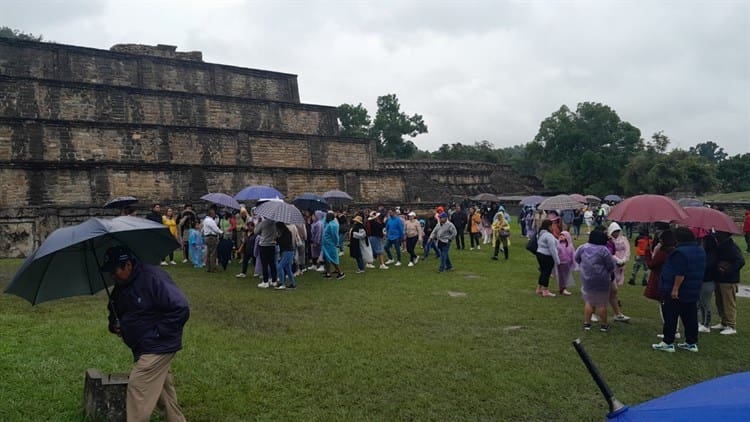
{"x":475,"y":70}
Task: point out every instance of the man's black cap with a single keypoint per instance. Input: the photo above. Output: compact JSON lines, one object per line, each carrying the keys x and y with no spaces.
{"x":115,"y":257}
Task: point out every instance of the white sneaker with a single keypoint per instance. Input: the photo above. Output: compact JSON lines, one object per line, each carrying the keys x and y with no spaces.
{"x":397,"y":264}
{"x":263,"y":285}
{"x":312,"y":267}
{"x":320,"y":269}
{"x":718,"y":326}
{"x":703,"y":329}
{"x":241,"y":275}
{"x":389,"y":262}
{"x":256,"y":275}
{"x":479,"y":247}
{"x":274,"y":284}
{"x":383,"y":267}
{"x":416,"y":259}
{"x":622,"y":318}
{"x":164,"y":263}
{"x":172,"y":262}
{"x":411,"y":264}
{"x":369,"y":266}
{"x":359,"y":271}
{"x":471,"y":249}
{"x":594,"y":318}
{"x":184,"y":261}
{"x":728,"y":331}
{"x":280,"y":287}
{"x":341,"y":254}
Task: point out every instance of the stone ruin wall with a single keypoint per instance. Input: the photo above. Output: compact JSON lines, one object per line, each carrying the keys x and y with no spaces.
{"x":79,"y":126}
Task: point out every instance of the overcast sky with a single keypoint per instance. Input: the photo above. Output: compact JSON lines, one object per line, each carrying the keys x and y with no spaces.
{"x":476,"y":70}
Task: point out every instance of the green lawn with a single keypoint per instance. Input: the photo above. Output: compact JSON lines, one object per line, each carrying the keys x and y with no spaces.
{"x":386,"y":345}
{"x":729,"y":197}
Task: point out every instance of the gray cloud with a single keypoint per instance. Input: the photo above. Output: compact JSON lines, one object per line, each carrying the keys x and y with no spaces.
{"x":475,"y":69}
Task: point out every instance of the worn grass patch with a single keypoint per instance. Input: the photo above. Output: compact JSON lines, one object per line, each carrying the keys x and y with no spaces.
{"x":402,"y":344}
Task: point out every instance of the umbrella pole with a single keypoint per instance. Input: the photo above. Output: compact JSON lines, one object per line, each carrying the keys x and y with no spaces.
{"x":615,"y":406}
{"x":110,"y":305}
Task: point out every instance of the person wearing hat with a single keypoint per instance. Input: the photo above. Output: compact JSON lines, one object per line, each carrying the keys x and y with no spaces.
{"x":148,"y":311}
{"x":394,"y":228}
{"x":620,"y":249}
{"x":375,"y":228}
{"x":414,"y":234}
{"x":444,"y":234}
{"x":359,"y":243}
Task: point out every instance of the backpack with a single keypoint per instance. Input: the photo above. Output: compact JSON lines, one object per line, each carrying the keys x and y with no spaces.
{"x":533,"y":244}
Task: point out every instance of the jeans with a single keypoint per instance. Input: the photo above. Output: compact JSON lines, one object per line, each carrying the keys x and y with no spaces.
{"x":474,"y":239}
{"x":286,"y":267}
{"x":546,"y":264}
{"x":360,"y":262}
{"x":638,"y":263}
{"x":430,"y":245}
{"x":246,"y":260}
{"x":411,"y":244}
{"x":268,"y":263}
{"x":704,"y":303}
{"x":460,"y":243}
{"x":576,"y":230}
{"x":397,"y":244}
{"x":504,"y":241}
{"x":445,"y":260}
{"x":672,"y":309}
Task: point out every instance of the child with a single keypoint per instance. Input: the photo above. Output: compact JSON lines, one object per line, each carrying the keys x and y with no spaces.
{"x":642,"y":244}
{"x":196,"y":245}
{"x":565,"y":268}
{"x":596,"y":264}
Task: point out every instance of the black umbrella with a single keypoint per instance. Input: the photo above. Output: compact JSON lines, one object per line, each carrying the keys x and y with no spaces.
{"x":67,"y":263}
{"x":120,"y":202}
{"x":310,"y":201}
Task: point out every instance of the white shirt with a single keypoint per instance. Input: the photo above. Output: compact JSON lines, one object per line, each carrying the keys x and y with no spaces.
{"x":210,"y":228}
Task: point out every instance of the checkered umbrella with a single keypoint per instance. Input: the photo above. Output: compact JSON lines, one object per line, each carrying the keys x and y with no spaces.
{"x":280,"y":211}
{"x":560,"y":202}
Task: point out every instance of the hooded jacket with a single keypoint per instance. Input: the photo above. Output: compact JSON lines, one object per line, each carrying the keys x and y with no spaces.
{"x":689,"y":260}
{"x":729,"y":262}
{"x":152,"y":311}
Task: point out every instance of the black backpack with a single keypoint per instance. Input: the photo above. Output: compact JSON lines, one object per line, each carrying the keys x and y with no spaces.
{"x":533,"y":244}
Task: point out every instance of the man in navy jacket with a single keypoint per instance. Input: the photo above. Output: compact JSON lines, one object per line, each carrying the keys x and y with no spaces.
{"x":680,"y":288}
{"x":149,"y":312}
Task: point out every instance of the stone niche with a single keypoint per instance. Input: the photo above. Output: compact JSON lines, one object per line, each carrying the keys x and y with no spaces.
{"x":104,"y":396}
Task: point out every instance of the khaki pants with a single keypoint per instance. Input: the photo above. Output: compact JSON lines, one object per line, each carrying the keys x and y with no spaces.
{"x":151,"y":382}
{"x":726,"y":303}
{"x":212,"y":243}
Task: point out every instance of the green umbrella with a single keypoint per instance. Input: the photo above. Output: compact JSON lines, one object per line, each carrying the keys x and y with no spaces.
{"x":67,"y":263}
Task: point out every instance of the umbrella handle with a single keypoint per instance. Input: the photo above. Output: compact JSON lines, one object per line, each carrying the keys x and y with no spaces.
{"x":110,"y":304}
{"x":615,"y":406}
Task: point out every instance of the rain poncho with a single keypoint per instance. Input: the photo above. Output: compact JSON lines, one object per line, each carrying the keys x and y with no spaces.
{"x":330,"y":245}
{"x":596,"y":265}
{"x":565,"y":252}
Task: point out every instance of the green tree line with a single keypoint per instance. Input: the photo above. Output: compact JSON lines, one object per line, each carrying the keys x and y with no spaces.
{"x":589,"y":150}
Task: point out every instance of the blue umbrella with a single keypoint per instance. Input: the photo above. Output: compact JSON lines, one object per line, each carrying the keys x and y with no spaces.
{"x":532,"y":200}
{"x":310,"y":201}
{"x":253,"y":193}
{"x":613,"y":198}
{"x":67,"y":263}
{"x":221,"y":199}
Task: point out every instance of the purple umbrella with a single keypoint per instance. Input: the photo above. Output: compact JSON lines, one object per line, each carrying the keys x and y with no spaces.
{"x":255,"y":192}
{"x":222,"y":199}
{"x":532,"y":200}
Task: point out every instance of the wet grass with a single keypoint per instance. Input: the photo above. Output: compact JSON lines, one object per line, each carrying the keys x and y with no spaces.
{"x":387,"y":345}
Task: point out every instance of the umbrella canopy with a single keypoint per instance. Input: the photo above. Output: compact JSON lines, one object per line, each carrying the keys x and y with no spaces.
{"x":707,"y":219}
{"x":690,"y":202}
{"x":560,"y":202}
{"x":67,"y":262}
{"x":310,"y":201}
{"x":578,"y":197}
{"x":592,"y":198}
{"x":337,"y":194}
{"x":724,"y":398}
{"x":221,"y":199}
{"x":486,"y":197}
{"x":255,"y":192}
{"x":280,"y":211}
{"x":613,"y":198}
{"x":647,"y":209}
{"x":532,"y":200}
{"x":120,"y":202}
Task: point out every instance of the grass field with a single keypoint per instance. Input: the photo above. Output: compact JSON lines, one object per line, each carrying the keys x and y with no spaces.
{"x":733,"y":196}
{"x":383,"y":346}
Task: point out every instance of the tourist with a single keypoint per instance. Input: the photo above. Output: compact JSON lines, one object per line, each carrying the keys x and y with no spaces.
{"x":414,"y":235}
{"x":247,"y":248}
{"x":358,"y":243}
{"x":500,"y":234}
{"x":187,"y":222}
{"x":680,"y":287}
{"x":211,"y":233}
{"x":241,"y":221}
{"x":588,"y":219}
{"x":565,"y":252}
{"x":170,"y":221}
{"x":375,"y":227}
{"x":729,"y":262}
{"x":577,"y":222}
{"x":267,"y":234}
{"x":746,"y":229}
{"x":148,"y":311}
{"x":619,"y":247}
{"x":486,"y":230}
{"x":299,"y":232}
{"x":394,"y":228}
{"x":459,"y":220}
{"x":567,"y":218}
{"x":285,"y":241}
{"x":197,"y":245}
{"x":642,"y":244}
{"x":596,"y":266}
{"x":155,"y":214}
{"x":329,"y":246}
{"x":443,"y":235}
{"x":475,"y":224}
{"x":710,"y":245}
{"x":343,"y":221}
{"x":662,"y":247}
{"x":227,"y":224}
{"x":546,"y":257}
{"x":316,"y":238}
{"x":556,"y":227}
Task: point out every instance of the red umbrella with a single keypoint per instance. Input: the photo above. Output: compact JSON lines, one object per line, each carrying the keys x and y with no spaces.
{"x":647,"y":209}
{"x":707,"y":218}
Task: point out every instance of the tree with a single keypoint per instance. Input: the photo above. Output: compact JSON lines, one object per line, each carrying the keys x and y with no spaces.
{"x":6,"y":32}
{"x":354,"y":120}
{"x":698,"y":174}
{"x":658,"y":143}
{"x":734,"y":173}
{"x":710,"y":151}
{"x":592,"y":144}
{"x":391,"y":125}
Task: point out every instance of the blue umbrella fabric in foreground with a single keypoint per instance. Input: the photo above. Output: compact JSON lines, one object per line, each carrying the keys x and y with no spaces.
{"x":221,"y":199}
{"x":280,"y":211}
{"x":724,"y":398}
{"x":255,"y":192}
{"x":67,"y":262}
